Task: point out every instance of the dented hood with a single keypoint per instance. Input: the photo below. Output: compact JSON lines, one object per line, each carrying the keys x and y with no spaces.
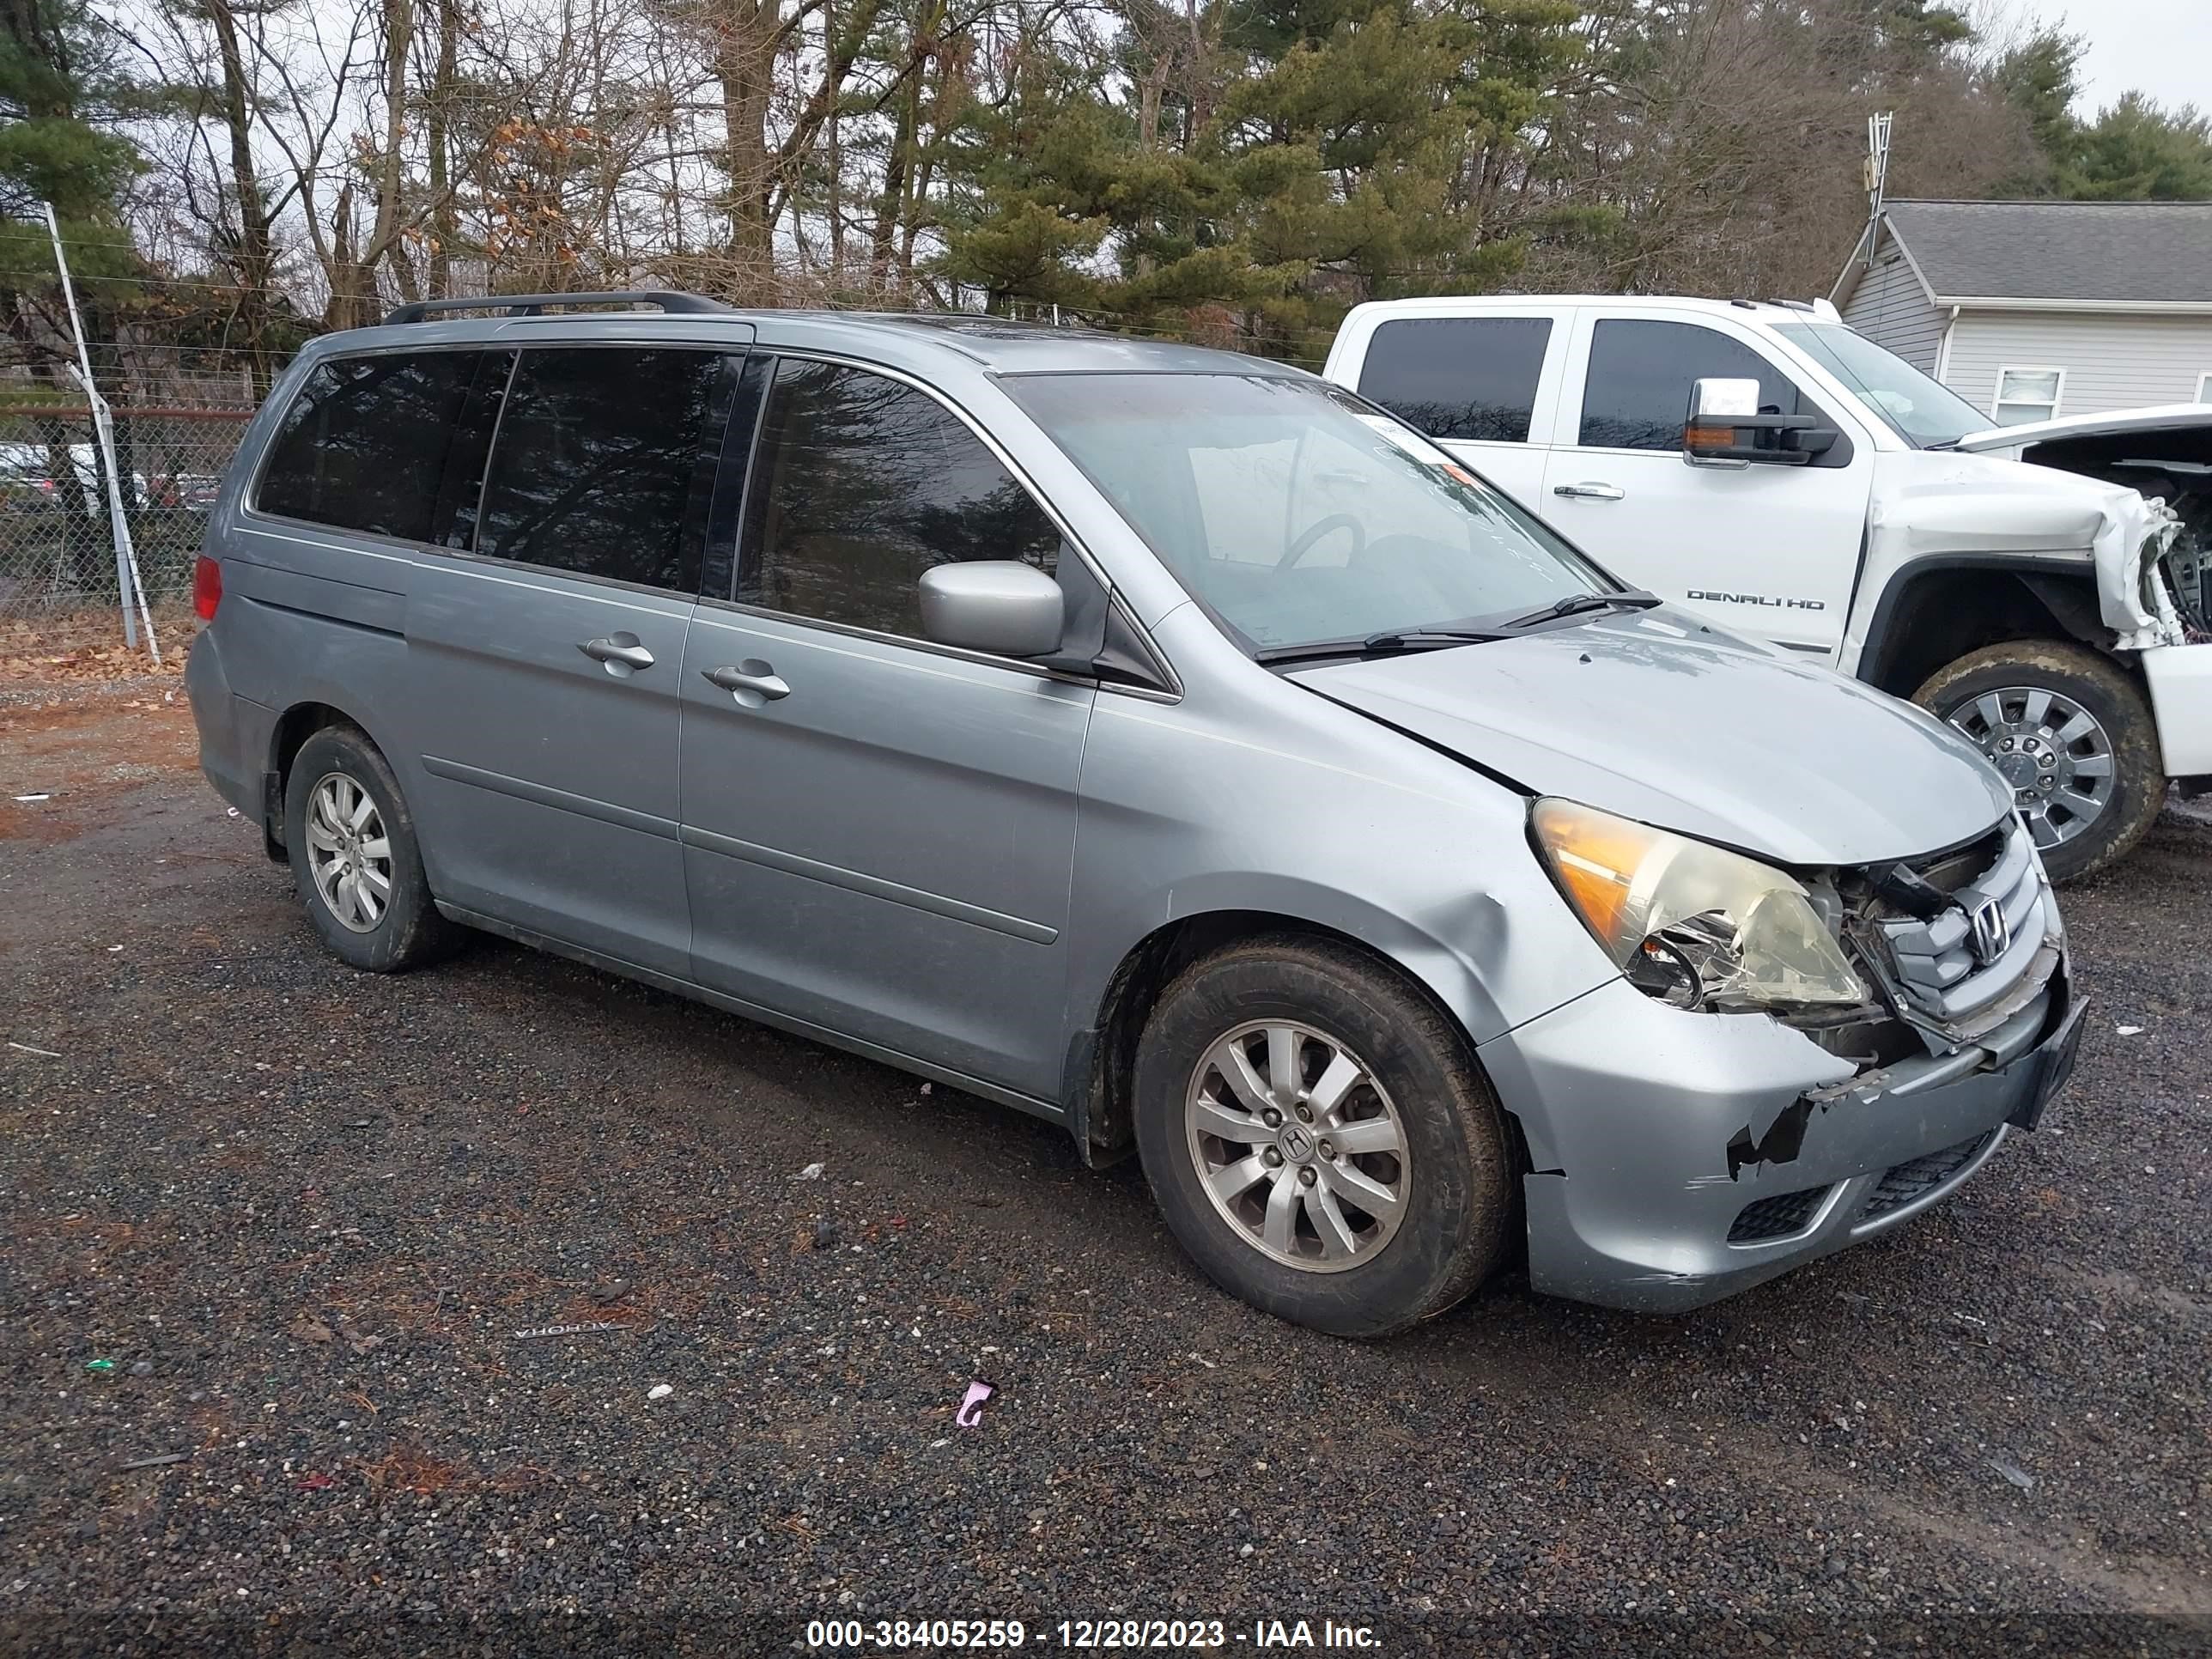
{"x":2161,"y":417}
{"x":1660,"y":719}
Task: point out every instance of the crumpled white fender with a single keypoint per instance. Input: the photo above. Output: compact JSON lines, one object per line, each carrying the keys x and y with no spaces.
{"x":2136,"y":534}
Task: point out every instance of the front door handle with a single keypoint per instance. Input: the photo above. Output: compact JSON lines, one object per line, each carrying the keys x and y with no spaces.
{"x":1590,"y":492}
{"x":753,"y":682}
{"x":622,"y":649}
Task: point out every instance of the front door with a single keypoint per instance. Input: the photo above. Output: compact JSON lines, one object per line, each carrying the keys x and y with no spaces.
{"x":1767,"y":551}
{"x":879,"y":833}
{"x":546,"y":647}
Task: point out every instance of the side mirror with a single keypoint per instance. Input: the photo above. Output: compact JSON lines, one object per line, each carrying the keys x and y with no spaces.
{"x":1001,"y":606}
{"x":1725,"y":428}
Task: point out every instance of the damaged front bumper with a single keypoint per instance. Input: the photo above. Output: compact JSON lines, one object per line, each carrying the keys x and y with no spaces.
{"x":1677,"y":1157}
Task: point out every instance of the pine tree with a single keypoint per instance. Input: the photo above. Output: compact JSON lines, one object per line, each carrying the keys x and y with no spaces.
{"x":1272,"y":162}
{"x":63,"y":99}
{"x":2040,"y":78}
{"x":2135,"y":151}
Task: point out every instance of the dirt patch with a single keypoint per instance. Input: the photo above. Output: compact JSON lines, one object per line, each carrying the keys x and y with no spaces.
{"x":30,"y":822}
{"x":56,"y":755}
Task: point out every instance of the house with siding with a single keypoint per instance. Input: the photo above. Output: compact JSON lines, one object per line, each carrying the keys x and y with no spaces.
{"x":2032,"y":310}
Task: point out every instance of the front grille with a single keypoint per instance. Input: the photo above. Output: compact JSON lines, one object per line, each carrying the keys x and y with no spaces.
{"x":1940,"y":962}
{"x":1778,"y":1217}
{"x":1920,"y":1177}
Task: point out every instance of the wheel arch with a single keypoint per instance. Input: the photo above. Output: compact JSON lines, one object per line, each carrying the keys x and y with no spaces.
{"x":1102,"y":1055}
{"x":294,"y":727}
{"x":1937,"y":611}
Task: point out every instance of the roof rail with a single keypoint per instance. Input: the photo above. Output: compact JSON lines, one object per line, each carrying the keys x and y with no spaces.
{"x":533,"y":305}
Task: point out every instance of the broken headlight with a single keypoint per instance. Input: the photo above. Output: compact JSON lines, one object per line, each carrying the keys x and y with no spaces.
{"x":1690,"y":924}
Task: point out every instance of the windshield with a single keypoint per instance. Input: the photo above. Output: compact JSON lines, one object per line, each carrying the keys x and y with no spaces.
{"x":1918,"y":410}
{"x":1296,"y":513}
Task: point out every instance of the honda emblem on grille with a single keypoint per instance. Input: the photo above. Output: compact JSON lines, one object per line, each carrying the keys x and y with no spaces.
{"x":1992,"y":932}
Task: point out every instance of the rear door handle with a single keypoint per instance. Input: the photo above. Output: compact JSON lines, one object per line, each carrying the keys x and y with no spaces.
{"x":1590,"y":492}
{"x":617,"y":648}
{"x":753,"y":684}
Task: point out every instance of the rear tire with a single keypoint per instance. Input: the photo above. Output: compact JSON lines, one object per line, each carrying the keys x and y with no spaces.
{"x":2083,"y":821}
{"x":354,"y":857}
{"x":1380,"y":1196}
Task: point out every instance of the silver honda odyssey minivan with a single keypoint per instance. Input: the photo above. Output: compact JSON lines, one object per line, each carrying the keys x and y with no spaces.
{"x":1158,"y":740}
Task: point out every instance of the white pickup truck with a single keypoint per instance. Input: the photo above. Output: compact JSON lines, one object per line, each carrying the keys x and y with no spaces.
{"x":1766,"y":465}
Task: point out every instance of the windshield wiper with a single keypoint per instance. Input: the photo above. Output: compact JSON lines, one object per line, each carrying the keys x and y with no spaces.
{"x":1628,"y":599}
{"x":1389,"y":642}
{"x":1394,"y":641}
{"x":1429,"y":639}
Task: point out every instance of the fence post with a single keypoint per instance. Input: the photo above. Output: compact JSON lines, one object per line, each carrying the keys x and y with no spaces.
{"x":127,"y":585}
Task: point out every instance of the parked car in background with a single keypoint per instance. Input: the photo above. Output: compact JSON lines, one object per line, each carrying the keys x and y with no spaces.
{"x":42,"y":476}
{"x":188,"y":492}
{"x":1771,"y":470}
{"x":1158,"y":740}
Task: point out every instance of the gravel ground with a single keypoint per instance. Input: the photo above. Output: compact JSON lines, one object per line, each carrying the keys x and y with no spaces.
{"x":286,"y":1226}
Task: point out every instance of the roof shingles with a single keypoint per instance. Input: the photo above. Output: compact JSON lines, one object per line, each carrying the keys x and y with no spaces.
{"x":2117,"y":253}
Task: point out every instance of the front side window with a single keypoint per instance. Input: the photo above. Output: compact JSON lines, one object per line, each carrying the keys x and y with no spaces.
{"x":1921,"y":411}
{"x":362,"y":444}
{"x":1637,"y":393}
{"x":859,"y":485}
{"x":1296,"y":514}
{"x":1458,"y":377}
{"x":2026,"y":394}
{"x":600,"y":466}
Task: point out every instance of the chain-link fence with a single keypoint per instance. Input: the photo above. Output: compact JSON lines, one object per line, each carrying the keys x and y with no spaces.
{"x":57,"y":528}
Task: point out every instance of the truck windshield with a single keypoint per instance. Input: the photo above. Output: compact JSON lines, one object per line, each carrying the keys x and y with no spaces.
{"x":1920,"y":410}
{"x":1295,"y":514}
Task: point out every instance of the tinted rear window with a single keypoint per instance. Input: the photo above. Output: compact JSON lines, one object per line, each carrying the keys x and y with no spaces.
{"x":1458,"y":377}
{"x":363,"y":446}
{"x":598,"y":466}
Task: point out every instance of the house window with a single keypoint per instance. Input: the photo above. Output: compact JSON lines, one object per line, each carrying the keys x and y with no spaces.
{"x":2204,"y":388}
{"x":2027,"y":394}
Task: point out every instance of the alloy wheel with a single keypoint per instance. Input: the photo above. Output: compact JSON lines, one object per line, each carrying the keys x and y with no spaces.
{"x":1301,"y":1151}
{"x":348,"y":853}
{"x":2055,"y":754}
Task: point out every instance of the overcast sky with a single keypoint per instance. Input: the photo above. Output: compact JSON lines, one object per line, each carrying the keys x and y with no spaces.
{"x":2161,"y":48}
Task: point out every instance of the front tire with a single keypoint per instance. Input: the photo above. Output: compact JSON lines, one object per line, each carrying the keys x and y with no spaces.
{"x":2074,"y":736}
{"x":1319,"y":1139}
{"x":354,"y":857}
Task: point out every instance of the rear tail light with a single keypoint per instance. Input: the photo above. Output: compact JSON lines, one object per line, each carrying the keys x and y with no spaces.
{"x":207,"y":587}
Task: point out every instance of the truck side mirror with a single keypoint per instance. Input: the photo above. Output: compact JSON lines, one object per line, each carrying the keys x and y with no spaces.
{"x":1725,"y":428}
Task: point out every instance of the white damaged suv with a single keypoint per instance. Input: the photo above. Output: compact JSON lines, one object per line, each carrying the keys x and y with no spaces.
{"x":1767,"y":466}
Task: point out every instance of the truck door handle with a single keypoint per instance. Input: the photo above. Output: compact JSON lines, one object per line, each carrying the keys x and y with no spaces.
{"x":753,"y":683}
{"x":622,"y":649}
{"x":1590,"y":492}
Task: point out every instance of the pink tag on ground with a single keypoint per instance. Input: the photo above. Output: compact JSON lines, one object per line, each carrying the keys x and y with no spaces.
{"x":971,"y":1408}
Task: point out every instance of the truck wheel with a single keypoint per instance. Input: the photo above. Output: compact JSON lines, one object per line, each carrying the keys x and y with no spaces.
{"x":2073,"y":735}
{"x":1319,"y":1139}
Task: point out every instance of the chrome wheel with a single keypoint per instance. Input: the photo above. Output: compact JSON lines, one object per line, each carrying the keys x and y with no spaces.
{"x":1298,"y":1147}
{"x":348,"y":854}
{"x":2054,"y":753}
